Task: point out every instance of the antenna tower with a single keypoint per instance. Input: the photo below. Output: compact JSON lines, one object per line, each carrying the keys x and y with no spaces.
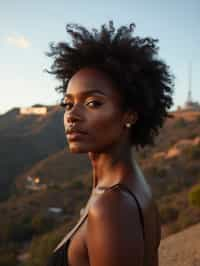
{"x":189,"y":97}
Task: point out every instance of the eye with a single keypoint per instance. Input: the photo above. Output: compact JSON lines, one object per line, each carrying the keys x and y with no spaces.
{"x":66,"y":105}
{"x":94,"y":104}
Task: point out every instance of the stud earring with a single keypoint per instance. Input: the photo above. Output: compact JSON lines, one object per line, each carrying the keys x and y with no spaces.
{"x":128,"y":125}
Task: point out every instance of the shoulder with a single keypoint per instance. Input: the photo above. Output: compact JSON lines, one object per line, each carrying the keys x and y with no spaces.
{"x":114,"y":201}
{"x":114,"y":227}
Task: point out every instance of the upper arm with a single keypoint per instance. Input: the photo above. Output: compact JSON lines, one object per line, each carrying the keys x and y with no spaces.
{"x":114,"y":231}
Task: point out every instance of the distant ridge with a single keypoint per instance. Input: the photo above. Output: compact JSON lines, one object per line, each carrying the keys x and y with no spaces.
{"x":25,"y":140}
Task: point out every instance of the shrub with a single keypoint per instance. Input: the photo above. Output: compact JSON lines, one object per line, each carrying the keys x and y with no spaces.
{"x":15,"y":231}
{"x":77,"y":184}
{"x":180,"y":123}
{"x":173,"y":187}
{"x":41,"y":224}
{"x":168,"y":214}
{"x":174,"y":228}
{"x":194,"y":152}
{"x":8,"y":257}
{"x":198,"y":119}
{"x":41,"y":249}
{"x":185,"y":220}
{"x":194,"y":196}
{"x":157,"y":171}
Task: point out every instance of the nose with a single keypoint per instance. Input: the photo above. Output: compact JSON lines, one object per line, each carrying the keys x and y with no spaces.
{"x":71,"y":116}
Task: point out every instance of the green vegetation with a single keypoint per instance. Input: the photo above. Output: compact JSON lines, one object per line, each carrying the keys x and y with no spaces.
{"x":198,"y":119}
{"x":193,"y":152}
{"x":8,"y":257}
{"x":8,"y":254}
{"x":22,"y":229}
{"x":180,"y":123}
{"x":41,"y":224}
{"x":194,"y":196}
{"x":24,"y":141}
{"x":168,"y":214}
{"x":41,"y":249}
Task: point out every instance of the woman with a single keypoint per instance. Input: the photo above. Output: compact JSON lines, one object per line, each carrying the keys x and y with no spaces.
{"x":116,"y":95}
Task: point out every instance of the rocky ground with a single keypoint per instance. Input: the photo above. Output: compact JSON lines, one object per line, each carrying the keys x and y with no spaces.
{"x":181,"y":249}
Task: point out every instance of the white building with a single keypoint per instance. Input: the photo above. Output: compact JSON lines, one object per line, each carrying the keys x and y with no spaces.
{"x":33,"y":110}
{"x":55,"y":210}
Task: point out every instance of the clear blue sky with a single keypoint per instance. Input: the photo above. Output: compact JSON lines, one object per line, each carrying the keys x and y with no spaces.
{"x":27,"y":28}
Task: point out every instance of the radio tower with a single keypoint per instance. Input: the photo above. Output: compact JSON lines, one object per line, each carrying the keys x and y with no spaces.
{"x":190,"y":104}
{"x":189,"y":97}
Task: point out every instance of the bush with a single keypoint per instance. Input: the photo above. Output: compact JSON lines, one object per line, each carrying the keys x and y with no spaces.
{"x":20,"y":232}
{"x":15,"y":231}
{"x":185,"y":220}
{"x":180,"y":123}
{"x":8,"y":257}
{"x":41,"y":224}
{"x":168,"y":214}
{"x":77,"y":184}
{"x":194,"y":196}
{"x":157,"y":171}
{"x":174,"y":228}
{"x":42,"y":248}
{"x":198,"y":119}
{"x":194,"y":152}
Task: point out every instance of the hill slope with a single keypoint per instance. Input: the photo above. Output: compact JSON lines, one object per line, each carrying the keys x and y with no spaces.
{"x":35,"y":146}
{"x":181,"y":249}
{"x":25,"y":140}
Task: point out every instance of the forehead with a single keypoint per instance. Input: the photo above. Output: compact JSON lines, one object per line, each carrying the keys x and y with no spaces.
{"x":91,"y":79}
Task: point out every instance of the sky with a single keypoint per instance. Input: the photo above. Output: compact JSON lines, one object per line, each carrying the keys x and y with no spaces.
{"x":28,"y":27}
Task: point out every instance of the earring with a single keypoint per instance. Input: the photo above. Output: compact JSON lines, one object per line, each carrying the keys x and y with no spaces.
{"x":128,"y":125}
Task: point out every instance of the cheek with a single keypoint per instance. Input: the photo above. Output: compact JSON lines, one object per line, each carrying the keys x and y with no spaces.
{"x":106,"y":126}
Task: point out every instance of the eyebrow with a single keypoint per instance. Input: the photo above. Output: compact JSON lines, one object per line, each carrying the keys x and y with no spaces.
{"x":85,"y":93}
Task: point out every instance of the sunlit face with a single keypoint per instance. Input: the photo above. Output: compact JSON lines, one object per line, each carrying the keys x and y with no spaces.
{"x":93,"y":106}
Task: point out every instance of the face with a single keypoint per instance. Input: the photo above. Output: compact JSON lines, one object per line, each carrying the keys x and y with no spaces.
{"x":93,"y":119}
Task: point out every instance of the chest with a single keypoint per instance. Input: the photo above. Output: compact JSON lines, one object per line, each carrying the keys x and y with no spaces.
{"x":77,"y":253}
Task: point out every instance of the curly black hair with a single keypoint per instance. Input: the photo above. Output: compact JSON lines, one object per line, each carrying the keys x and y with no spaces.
{"x":144,"y":80}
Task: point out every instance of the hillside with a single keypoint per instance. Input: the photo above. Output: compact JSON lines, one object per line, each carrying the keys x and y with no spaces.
{"x":57,"y":168}
{"x":25,"y":140}
{"x":171,"y":168}
{"x":181,"y":249}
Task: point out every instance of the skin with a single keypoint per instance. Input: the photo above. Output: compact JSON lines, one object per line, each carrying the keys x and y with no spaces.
{"x":93,"y":104}
{"x":96,"y":113}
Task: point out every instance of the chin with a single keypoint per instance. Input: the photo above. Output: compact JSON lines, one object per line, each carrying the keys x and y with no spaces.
{"x":76,"y":148}
{"x":73,"y":148}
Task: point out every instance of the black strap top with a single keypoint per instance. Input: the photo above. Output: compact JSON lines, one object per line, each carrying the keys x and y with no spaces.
{"x":59,"y":255}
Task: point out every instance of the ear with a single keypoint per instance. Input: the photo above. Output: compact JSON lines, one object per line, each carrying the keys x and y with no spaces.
{"x":131,"y":117}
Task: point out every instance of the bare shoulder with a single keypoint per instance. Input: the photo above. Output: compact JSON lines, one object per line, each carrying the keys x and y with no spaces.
{"x":113,"y":201}
{"x":114,"y":231}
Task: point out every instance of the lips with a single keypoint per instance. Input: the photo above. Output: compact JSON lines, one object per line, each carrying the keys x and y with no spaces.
{"x":75,"y":134}
{"x":74,"y":131}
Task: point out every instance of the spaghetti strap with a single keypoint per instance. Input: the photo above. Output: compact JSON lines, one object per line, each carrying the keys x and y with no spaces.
{"x":85,"y":214}
{"x":125,"y":188}
{"x":59,"y":255}
{"x":73,"y":230}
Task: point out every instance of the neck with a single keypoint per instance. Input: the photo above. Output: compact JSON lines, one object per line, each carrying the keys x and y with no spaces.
{"x":114,"y":166}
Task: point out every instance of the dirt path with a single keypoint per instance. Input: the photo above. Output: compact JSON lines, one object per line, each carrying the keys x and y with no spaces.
{"x":181,"y":249}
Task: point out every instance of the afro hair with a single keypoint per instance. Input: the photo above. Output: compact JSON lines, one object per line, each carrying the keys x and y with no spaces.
{"x":143,"y":80}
